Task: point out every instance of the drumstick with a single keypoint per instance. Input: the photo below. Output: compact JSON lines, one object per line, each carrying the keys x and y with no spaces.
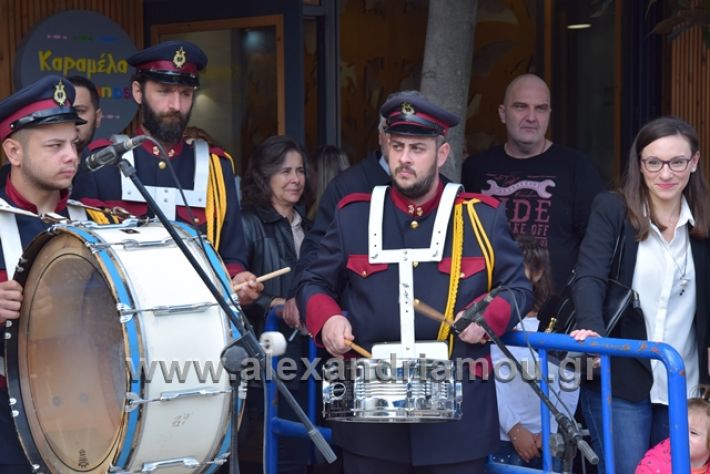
{"x":358,"y":349}
{"x":264,"y":277}
{"x":430,"y":312}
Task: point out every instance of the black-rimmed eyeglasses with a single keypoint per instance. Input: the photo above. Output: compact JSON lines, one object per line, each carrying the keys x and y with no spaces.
{"x":654,"y":165}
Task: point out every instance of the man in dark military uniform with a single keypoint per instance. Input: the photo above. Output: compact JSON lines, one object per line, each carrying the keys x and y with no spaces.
{"x":38,"y":134}
{"x":350,"y":269}
{"x":164,"y":85}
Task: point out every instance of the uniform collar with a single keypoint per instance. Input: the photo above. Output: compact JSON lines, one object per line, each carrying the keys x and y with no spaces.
{"x":152,"y":148}
{"x":417,"y":210}
{"x":19,"y":200}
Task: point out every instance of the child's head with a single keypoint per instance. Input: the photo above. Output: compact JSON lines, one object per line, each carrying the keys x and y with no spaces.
{"x":699,"y":427}
{"x":537,"y":268}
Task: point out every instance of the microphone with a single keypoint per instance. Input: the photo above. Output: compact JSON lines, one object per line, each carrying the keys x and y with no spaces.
{"x":112,"y":153}
{"x":472,"y":314}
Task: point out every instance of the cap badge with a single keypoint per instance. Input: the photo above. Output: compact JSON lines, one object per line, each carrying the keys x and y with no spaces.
{"x":180,"y":58}
{"x":407,"y":109}
{"x":60,"y":95}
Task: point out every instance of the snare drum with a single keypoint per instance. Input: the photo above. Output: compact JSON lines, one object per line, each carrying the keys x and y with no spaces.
{"x":114,"y":363}
{"x":395,"y":390}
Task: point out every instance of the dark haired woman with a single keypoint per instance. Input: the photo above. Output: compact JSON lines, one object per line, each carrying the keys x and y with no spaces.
{"x":661,"y":217}
{"x":274,"y":227}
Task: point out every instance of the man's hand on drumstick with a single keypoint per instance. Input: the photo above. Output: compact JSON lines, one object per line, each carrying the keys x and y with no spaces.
{"x":10,"y":300}
{"x":473,"y":334}
{"x":334,"y":333}
{"x":247,"y":287}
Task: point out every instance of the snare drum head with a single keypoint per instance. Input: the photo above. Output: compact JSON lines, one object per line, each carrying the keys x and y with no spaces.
{"x":66,"y":361}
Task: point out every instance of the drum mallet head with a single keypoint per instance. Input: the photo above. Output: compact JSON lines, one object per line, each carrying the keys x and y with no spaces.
{"x":233,"y":357}
{"x":273,"y":342}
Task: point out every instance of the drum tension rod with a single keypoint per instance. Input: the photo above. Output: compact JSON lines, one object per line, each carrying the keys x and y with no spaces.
{"x":127,"y":312}
{"x":134,"y":401}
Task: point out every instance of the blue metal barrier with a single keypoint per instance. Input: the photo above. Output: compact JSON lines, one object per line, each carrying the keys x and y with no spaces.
{"x":604,"y":347}
{"x":276,"y":427}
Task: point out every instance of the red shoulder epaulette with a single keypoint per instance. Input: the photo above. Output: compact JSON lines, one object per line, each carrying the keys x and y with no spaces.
{"x":354,"y":197}
{"x":218,"y":151}
{"x":99,"y":143}
{"x":215,"y":150}
{"x":491,"y":201}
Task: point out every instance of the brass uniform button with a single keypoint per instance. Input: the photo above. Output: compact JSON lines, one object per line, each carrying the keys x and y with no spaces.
{"x":414,"y":224}
{"x":463,"y":275}
{"x":364,"y":273}
{"x":415,"y":264}
{"x":162,"y":165}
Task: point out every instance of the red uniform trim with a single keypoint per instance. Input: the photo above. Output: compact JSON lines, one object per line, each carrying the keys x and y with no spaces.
{"x":482,"y":370}
{"x":405,"y":205}
{"x":469,"y":266}
{"x":491,"y":201}
{"x":354,"y":197}
{"x":20,"y":201}
{"x":497,"y":315}
{"x":162,"y":65}
{"x":46,"y":104}
{"x":319,"y":309}
{"x":100,"y":143}
{"x":234,"y":268}
{"x":444,"y":126}
{"x":360,"y":265}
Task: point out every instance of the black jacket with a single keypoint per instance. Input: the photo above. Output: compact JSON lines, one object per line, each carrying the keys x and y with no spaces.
{"x":631,"y":378}
{"x":270,"y":246}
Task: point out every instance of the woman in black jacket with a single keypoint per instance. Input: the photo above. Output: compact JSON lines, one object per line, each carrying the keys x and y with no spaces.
{"x":274,"y":226}
{"x":661,"y":218}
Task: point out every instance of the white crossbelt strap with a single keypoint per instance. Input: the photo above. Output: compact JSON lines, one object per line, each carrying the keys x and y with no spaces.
{"x":169,"y":197}
{"x":77,"y":211}
{"x":9,"y":238}
{"x":405,"y":257}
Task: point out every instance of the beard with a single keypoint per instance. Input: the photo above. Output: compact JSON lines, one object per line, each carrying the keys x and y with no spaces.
{"x":166,"y":127}
{"x":420,"y":186}
{"x":84,"y":142}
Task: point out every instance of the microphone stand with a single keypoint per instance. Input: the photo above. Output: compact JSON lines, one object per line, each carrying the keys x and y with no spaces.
{"x":247,"y":340}
{"x":572,"y":437}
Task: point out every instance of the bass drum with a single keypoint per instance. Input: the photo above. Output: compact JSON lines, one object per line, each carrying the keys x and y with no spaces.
{"x":114,"y":363}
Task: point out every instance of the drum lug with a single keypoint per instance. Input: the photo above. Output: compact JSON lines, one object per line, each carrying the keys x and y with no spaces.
{"x":187,"y":462}
{"x":125,"y":311}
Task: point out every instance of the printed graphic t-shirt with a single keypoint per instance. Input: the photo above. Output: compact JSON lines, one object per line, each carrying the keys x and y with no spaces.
{"x":547,"y":196}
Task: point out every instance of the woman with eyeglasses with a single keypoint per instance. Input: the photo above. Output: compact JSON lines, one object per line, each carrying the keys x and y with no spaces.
{"x":661,"y":217}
